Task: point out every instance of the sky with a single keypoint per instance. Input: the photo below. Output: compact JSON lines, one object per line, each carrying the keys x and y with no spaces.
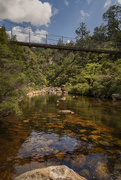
{"x":51,"y":19}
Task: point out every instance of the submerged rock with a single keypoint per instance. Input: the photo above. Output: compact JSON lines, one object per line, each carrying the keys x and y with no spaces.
{"x":118,"y":142}
{"x":82,"y":130}
{"x":104,"y":143}
{"x":85,"y":173}
{"x":78,"y":161}
{"x":52,"y":172}
{"x":96,"y":132}
{"x":94,"y":138}
{"x":84,"y":139}
{"x":96,"y":150}
{"x":102,"y":172}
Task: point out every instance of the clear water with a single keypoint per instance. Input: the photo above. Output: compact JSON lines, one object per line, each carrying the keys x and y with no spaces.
{"x":88,"y":141}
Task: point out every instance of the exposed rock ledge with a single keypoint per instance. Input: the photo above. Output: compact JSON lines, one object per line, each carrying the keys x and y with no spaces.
{"x":47,"y":90}
{"x":51,"y":173}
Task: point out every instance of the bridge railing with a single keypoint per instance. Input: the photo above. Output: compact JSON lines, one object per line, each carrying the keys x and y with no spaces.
{"x":109,"y":45}
{"x":48,"y":39}
{"x":26,"y":34}
{"x":44,"y":38}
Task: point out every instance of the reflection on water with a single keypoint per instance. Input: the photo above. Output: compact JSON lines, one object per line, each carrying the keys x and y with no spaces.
{"x":39,"y":145}
{"x":88,"y":141}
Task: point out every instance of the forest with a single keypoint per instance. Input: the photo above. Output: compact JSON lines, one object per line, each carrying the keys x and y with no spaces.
{"x":23,"y":69}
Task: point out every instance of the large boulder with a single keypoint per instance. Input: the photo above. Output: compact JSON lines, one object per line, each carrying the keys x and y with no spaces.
{"x":51,"y":173}
{"x":116,"y":97}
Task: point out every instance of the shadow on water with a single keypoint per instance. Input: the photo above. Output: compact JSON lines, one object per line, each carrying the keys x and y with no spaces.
{"x":87,"y":141}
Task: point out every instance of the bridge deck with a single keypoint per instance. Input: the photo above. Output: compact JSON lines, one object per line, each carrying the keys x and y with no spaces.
{"x":61,"y":47}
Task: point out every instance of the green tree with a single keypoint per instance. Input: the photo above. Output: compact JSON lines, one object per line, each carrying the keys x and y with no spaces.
{"x":100,"y":33}
{"x":113,"y":18}
{"x":60,"y":41}
{"x":82,"y":32}
{"x":3,"y":35}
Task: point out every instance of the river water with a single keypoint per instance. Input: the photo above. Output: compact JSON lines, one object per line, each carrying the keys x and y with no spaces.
{"x":88,"y":141}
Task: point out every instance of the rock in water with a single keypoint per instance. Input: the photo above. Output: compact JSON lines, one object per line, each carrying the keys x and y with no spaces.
{"x":66,"y":112}
{"x":63,"y":99}
{"x":101,"y":172}
{"x":78,"y":161}
{"x":51,"y":173}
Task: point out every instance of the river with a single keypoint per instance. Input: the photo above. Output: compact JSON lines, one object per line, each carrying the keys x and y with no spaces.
{"x":88,"y":141}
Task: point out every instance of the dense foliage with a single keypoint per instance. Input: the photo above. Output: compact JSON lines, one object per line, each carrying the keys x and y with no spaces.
{"x":19,"y":72}
{"x":23,"y":69}
{"x":84,"y":74}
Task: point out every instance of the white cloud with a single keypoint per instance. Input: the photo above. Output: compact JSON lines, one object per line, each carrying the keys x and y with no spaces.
{"x":33,"y":11}
{"x":22,"y":34}
{"x":119,"y":1}
{"x":107,"y":3}
{"x":55,"y":11}
{"x":84,"y":14}
{"x":68,"y":41}
{"x":66,"y":2}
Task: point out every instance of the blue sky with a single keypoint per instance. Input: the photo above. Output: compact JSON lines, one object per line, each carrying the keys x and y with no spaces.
{"x":60,"y":17}
{"x":72,"y":12}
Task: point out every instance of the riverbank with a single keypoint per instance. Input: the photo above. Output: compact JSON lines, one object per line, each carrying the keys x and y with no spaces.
{"x":46,"y":90}
{"x":11,"y":104}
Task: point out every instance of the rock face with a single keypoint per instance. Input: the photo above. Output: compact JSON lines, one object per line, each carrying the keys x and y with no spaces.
{"x":51,"y":173}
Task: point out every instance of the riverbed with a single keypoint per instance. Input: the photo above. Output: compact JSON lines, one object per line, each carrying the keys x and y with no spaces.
{"x":87,"y":141}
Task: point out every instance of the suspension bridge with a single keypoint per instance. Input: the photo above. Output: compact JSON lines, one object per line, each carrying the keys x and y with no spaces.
{"x":72,"y":48}
{"x":26,"y":36}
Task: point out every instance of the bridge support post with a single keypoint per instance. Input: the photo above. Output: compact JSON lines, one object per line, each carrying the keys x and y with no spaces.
{"x":11,"y":31}
{"x":46,"y":39}
{"x":62,"y":39}
{"x":29,"y":38}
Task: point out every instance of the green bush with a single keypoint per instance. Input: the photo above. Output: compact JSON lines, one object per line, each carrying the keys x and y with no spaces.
{"x":82,"y":89}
